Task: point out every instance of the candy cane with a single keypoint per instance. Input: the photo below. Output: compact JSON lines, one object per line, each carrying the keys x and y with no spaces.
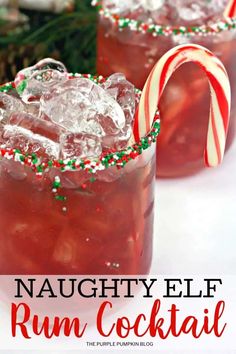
{"x":230,"y":11}
{"x":220,"y":96}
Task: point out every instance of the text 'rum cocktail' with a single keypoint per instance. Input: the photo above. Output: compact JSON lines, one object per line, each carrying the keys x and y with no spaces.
{"x":76,"y":197}
{"x":133,"y":35}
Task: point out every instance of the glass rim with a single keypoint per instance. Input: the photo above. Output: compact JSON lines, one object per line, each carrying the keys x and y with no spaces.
{"x":123,"y":22}
{"x":118,"y":159}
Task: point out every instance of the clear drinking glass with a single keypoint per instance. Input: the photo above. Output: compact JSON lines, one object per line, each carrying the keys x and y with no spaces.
{"x":184,"y":106}
{"x":78,"y":217}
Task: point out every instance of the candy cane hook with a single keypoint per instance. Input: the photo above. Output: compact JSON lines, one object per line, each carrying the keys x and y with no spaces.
{"x":220,"y":96}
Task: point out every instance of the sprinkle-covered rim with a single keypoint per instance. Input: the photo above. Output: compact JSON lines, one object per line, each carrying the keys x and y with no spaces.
{"x":106,"y":160}
{"x":159,"y":30}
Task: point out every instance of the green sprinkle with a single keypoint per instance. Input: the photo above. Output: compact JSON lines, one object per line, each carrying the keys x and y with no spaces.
{"x":34,"y":159}
{"x":60,"y":198}
{"x":21,"y":87}
{"x":56,"y":184}
{"x":40,"y":168}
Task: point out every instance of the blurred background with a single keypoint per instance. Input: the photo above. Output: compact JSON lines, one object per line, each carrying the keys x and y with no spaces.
{"x":31,"y":30}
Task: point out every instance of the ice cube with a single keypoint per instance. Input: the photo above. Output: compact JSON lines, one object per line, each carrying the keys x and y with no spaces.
{"x":169,"y":12}
{"x":37,"y":126}
{"x":20,"y":138}
{"x":80,"y":145}
{"x":70,"y":179}
{"x":45,"y":65}
{"x":123,"y":92}
{"x":198,"y":12}
{"x":32,"y":109}
{"x":191,"y":12}
{"x":152,"y":5}
{"x":9,"y":104}
{"x":111,"y":174}
{"x":17,"y":172}
{"x":91,"y":127}
{"x":65,"y":251}
{"x":49,"y":63}
{"x":40,"y":82}
{"x":122,"y":6}
{"x":81,"y":106}
{"x":136,"y":9}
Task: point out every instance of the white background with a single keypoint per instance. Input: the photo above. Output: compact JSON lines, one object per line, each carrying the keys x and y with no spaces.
{"x":195,"y":222}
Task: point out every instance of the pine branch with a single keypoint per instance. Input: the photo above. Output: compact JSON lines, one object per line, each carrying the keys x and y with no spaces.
{"x":70,"y":37}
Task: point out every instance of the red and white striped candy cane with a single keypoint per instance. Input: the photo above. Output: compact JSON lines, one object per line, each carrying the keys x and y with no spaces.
{"x":220,"y":96}
{"x":230,"y":11}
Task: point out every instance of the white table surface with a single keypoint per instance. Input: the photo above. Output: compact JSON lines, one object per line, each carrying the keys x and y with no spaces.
{"x":195,"y":222}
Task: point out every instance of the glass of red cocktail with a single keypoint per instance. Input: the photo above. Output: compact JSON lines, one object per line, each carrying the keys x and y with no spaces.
{"x":61,"y":214}
{"x":133,"y":35}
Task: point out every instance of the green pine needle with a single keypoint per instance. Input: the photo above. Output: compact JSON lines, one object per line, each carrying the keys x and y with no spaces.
{"x":69,"y":37}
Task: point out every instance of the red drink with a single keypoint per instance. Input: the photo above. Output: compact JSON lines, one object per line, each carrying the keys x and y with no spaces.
{"x":185,"y":104}
{"x":76,"y":222}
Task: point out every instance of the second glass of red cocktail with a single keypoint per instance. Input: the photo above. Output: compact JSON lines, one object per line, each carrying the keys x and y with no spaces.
{"x":133,"y":35}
